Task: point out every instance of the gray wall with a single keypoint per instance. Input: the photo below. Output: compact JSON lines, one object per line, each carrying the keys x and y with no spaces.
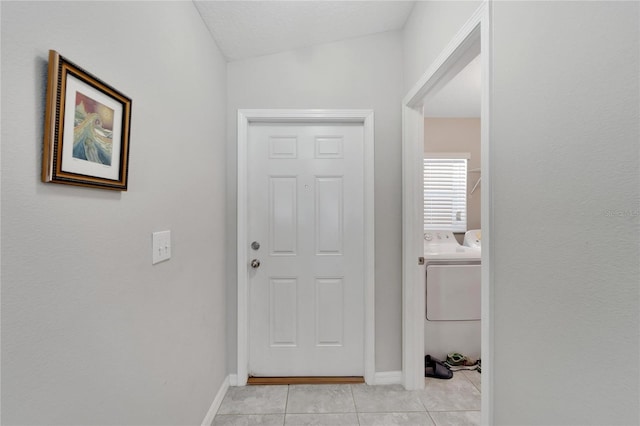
{"x":565,"y":172}
{"x":92,"y":333}
{"x":363,"y":73}
{"x":566,"y":157}
{"x":428,"y":30}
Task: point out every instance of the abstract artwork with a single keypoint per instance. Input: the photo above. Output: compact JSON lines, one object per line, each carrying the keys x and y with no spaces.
{"x":87,"y":125}
{"x":92,"y":130}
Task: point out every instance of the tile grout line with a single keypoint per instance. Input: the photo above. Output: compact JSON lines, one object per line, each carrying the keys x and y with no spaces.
{"x":355,"y":407}
{"x":474,"y":385}
{"x":452,"y":411}
{"x":431,"y":417}
{"x":286,"y":406}
{"x":423,"y":404}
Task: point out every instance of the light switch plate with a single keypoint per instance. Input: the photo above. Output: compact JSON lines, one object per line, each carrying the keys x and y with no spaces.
{"x":161,"y":246}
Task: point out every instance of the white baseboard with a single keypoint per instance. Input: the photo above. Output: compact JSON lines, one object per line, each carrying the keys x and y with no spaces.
{"x":233,"y":380}
{"x":208,"y":419}
{"x":388,"y":378}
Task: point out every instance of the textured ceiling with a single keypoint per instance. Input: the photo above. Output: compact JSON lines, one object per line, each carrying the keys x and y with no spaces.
{"x":244,"y":29}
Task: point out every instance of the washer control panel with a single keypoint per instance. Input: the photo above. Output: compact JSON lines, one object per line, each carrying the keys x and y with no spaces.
{"x":439,"y":236}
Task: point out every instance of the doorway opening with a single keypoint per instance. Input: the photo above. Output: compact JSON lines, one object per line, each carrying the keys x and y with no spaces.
{"x":472,"y":40}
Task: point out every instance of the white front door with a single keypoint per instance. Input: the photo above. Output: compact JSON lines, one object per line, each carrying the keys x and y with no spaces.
{"x":306,"y":209}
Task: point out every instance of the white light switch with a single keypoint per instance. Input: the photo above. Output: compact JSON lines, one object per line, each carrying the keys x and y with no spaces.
{"x":161,"y":246}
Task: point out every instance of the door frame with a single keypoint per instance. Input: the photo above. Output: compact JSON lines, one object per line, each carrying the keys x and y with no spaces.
{"x":314,"y":116}
{"x":474,"y":37}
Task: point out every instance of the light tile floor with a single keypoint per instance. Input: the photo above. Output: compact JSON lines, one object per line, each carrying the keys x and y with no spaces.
{"x":441,"y":403}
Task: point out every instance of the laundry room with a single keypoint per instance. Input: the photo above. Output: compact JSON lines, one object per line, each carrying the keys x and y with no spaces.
{"x":452,"y":224}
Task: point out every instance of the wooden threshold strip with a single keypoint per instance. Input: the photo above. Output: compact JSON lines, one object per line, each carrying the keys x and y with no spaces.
{"x":305,"y":380}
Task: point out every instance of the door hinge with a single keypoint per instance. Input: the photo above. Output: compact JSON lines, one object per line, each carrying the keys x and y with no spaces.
{"x":421,"y":260}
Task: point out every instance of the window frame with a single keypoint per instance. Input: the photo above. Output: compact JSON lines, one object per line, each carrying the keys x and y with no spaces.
{"x":459,"y":164}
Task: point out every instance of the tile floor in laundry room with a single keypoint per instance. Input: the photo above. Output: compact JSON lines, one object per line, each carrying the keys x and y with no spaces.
{"x":442,"y":402}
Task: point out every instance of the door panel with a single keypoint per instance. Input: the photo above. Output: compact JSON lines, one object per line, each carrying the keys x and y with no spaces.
{"x":306,"y":208}
{"x":283,"y":217}
{"x":329,"y":214}
{"x":329,"y":311}
{"x":283,"y":315}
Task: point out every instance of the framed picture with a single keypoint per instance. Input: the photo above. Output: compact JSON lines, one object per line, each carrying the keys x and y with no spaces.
{"x":86,"y":135}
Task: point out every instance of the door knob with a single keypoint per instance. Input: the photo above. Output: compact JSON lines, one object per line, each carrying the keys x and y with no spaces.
{"x":255,"y":263}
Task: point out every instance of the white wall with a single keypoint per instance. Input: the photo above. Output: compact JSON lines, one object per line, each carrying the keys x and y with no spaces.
{"x":363,"y":73}
{"x":566,"y":156}
{"x":565,"y":170}
{"x":92,"y":333}
{"x":430,"y":27}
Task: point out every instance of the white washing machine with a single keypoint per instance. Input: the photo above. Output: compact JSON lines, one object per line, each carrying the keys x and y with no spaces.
{"x":453,"y":296}
{"x":473,"y":238}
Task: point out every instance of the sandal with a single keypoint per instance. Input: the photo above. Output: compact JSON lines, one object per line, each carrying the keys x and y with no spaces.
{"x":454,"y":358}
{"x":435,"y":368}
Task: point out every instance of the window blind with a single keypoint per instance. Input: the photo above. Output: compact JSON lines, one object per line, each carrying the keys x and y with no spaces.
{"x":445,"y":194}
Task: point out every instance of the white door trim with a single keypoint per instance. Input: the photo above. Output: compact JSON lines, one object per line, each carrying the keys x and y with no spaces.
{"x":246,"y":116}
{"x":474,"y":37}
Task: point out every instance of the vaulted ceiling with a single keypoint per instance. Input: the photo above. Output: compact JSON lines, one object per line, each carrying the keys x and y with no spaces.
{"x":244,"y":29}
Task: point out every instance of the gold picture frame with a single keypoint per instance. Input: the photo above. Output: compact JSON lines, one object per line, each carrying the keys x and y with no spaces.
{"x":87,"y":127}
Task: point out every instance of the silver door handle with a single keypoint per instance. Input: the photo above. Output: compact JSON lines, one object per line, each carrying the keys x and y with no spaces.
{"x":255,"y":263}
